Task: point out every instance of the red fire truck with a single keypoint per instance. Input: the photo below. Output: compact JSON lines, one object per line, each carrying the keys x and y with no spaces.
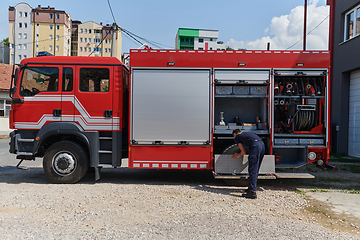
{"x":177,"y":111}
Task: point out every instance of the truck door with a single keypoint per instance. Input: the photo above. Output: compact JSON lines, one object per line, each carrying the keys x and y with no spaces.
{"x":93,"y":97}
{"x":39,"y":89}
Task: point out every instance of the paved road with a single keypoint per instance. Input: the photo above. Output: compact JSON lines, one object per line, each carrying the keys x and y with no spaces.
{"x":8,"y":161}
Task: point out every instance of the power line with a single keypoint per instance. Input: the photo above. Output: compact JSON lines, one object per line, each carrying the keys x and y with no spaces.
{"x":107,"y":32}
{"x":309,"y":32}
{"x":111,"y":11}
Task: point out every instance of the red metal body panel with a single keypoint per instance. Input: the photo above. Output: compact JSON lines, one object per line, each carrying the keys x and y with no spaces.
{"x":173,"y":157}
{"x":230,"y":59}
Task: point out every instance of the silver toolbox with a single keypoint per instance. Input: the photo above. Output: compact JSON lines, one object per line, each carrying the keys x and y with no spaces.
{"x":258,"y":90}
{"x":286,"y":141}
{"x":311,"y":141}
{"x":225,"y":164}
{"x":241,"y":90}
{"x":223,"y":90}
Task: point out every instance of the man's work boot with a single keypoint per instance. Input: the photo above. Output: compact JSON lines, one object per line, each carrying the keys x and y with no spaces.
{"x":250,"y":194}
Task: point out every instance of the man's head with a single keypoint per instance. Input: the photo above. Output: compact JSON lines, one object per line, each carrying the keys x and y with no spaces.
{"x":235,"y":132}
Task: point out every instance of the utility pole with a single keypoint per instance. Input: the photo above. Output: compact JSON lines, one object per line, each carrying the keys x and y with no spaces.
{"x":305,"y":15}
{"x":113,"y":46}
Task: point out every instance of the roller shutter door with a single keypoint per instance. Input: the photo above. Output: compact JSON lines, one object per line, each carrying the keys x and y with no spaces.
{"x":354,"y":115}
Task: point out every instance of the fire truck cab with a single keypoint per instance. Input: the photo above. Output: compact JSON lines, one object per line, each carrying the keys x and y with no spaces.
{"x":71,"y":111}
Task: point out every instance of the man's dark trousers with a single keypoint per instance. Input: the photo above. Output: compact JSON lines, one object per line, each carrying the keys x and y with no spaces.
{"x":256,"y":155}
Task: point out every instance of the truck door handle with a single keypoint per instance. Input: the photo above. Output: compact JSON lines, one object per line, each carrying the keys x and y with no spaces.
{"x":57,"y":113}
{"x":108,"y":113}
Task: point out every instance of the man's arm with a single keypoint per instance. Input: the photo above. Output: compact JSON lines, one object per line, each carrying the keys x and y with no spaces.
{"x":242,"y":153}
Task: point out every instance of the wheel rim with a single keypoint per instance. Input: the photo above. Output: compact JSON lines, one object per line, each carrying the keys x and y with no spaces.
{"x":64,"y":163}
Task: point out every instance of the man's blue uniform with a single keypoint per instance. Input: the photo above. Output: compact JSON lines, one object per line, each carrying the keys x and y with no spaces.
{"x":256,"y":154}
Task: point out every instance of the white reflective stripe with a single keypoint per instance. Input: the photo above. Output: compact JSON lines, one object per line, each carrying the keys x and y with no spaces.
{"x":195,"y":162}
{"x":86,"y":121}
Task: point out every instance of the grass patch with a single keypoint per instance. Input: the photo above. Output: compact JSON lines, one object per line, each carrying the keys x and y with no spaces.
{"x":299,"y":192}
{"x":355,"y":191}
{"x":4,"y":136}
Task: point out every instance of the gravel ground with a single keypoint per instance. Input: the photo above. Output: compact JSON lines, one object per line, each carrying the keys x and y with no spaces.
{"x":150,"y":204}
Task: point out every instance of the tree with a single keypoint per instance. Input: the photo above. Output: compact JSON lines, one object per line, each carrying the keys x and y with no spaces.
{"x":6,"y":41}
{"x":229,"y":48}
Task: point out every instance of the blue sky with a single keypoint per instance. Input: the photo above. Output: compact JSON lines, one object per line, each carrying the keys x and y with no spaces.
{"x":241,"y":23}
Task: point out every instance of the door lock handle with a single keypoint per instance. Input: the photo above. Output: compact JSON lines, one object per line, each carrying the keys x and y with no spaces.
{"x":108,"y":113}
{"x":57,"y":113}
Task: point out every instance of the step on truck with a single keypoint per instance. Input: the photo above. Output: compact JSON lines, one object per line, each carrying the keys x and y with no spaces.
{"x":172,"y":109}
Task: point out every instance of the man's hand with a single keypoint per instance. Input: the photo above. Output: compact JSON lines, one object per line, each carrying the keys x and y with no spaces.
{"x":235,"y":156}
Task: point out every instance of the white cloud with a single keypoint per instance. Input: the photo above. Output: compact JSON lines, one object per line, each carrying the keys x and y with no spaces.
{"x":286,"y":30}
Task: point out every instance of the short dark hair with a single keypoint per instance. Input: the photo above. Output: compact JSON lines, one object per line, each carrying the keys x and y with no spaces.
{"x":236,"y":131}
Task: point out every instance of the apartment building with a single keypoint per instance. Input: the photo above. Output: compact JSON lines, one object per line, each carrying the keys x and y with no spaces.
{"x":34,"y":30}
{"x":51,"y":31}
{"x":198,"y":39}
{"x":20,"y":26}
{"x":96,"y":40}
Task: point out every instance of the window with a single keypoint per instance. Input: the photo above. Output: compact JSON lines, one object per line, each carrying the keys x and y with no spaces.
{"x":51,"y":26}
{"x":211,"y":39}
{"x":25,"y":46}
{"x":20,"y":35}
{"x":25,"y":25}
{"x":201,"y":40}
{"x":105,"y":49}
{"x":57,"y":16}
{"x":352,"y":23}
{"x":67,"y":83}
{"x":80,"y":39}
{"x":57,"y":37}
{"x":57,"y":48}
{"x":81,"y":30}
{"x":89,"y":49}
{"x":80,"y":49}
{"x":85,"y":30}
{"x":50,"y":37}
{"x":20,"y":14}
{"x":58,"y":27}
{"x":85,"y":49}
{"x":39,"y":79}
{"x":25,"y":14}
{"x":94,"y":79}
{"x":106,"y":41}
{"x":20,"y":25}
{"x":19,"y":57}
{"x":19,"y":46}
{"x":25,"y":35}
{"x":5,"y":106}
{"x":109,"y":41}
{"x":89,"y":30}
{"x":50,"y":15}
{"x":25,"y":56}
{"x":85,"y":39}
{"x":50,"y":48}
{"x":89,"y":40}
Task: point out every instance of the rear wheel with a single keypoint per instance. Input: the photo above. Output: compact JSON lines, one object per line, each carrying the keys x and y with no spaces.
{"x":65,"y":162}
{"x":231,"y":150}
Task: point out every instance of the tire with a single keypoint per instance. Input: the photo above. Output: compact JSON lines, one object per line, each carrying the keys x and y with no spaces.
{"x":235,"y":182}
{"x":65,"y":162}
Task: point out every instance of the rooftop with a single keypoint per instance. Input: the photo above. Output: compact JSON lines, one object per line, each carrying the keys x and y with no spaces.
{"x":5,"y":76}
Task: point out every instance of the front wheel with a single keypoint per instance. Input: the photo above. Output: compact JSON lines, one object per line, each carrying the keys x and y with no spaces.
{"x":65,"y":162}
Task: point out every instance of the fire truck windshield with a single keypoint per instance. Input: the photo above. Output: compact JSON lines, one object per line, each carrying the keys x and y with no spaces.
{"x":39,"y":79}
